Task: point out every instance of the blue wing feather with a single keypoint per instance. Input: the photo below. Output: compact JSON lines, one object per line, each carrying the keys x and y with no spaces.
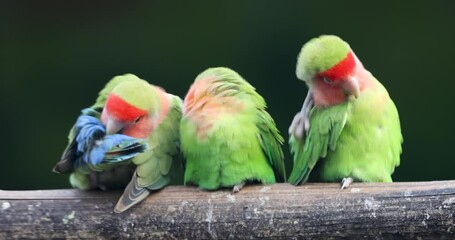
{"x":95,"y":147}
{"x":115,"y":148}
{"x":89,"y":130}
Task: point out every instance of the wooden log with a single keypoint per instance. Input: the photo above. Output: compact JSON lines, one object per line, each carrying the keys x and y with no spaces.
{"x":406,"y":210}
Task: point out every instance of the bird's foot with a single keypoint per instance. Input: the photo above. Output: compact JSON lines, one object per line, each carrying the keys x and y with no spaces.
{"x":346,"y":182}
{"x":298,"y":125}
{"x":238,"y":187}
{"x":301,"y":122}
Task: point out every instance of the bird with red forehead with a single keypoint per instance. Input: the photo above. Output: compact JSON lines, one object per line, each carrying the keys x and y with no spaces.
{"x":348,"y":128}
{"x":130,"y":108}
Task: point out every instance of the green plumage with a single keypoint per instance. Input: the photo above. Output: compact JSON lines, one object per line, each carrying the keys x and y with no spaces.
{"x":157,"y":165}
{"x":320,"y":54}
{"x":351,"y":139}
{"x":358,"y":138}
{"x":326,"y":128}
{"x":154,"y":165}
{"x":158,"y":128}
{"x":106,"y":176}
{"x":227,"y":136}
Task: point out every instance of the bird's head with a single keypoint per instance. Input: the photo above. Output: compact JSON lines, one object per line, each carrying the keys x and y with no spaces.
{"x":328,"y":66}
{"x":131,"y":104}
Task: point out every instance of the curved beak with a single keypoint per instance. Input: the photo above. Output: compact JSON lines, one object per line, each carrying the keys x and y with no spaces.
{"x":113,"y":126}
{"x":351,"y":87}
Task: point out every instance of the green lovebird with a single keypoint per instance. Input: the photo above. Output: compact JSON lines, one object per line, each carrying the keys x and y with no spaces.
{"x":226,"y":134}
{"x":348,"y":125}
{"x":130,"y":109}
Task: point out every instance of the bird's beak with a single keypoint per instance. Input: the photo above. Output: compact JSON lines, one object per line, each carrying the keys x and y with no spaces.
{"x":351,"y":87}
{"x":113,"y":126}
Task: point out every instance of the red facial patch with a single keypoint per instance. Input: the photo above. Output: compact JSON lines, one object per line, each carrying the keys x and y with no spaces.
{"x":122,"y":110}
{"x":341,"y":69}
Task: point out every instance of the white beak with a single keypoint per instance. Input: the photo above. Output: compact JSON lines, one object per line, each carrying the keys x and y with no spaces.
{"x":351,"y":87}
{"x":113,"y":126}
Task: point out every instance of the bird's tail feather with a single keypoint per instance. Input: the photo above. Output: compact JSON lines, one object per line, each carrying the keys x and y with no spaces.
{"x":132,"y":195}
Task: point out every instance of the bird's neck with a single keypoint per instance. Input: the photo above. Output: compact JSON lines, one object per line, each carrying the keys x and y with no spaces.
{"x":165,"y":103}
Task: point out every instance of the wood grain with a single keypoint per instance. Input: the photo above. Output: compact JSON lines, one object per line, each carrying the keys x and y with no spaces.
{"x":406,"y":210}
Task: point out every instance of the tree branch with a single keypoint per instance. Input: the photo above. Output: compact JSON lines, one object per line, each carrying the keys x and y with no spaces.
{"x":406,"y":210}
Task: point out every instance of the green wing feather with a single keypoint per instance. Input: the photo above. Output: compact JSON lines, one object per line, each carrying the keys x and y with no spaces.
{"x":230,"y":83}
{"x":163,"y":148}
{"x":326,"y":125}
{"x":271,"y":140}
{"x":155,"y":165}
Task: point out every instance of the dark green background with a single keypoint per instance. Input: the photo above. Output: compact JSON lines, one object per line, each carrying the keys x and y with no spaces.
{"x":55,"y":57}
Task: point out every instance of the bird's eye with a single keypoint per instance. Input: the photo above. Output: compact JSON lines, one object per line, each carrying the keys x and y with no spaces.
{"x":327,"y":80}
{"x":138,"y":119}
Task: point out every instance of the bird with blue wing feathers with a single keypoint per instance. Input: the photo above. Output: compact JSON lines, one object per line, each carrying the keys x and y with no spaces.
{"x":133,"y":130}
{"x":95,"y":147}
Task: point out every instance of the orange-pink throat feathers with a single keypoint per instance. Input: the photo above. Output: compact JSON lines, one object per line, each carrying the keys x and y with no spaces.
{"x":334,"y":85}
{"x":203,"y":107}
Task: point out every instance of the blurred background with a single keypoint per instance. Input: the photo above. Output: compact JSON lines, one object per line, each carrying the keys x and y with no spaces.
{"x":57,"y":55}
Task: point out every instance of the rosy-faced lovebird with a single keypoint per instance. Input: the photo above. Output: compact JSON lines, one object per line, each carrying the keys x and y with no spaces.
{"x":226,"y":135}
{"x":132,"y":128}
{"x":348,"y":125}
{"x":91,"y":148}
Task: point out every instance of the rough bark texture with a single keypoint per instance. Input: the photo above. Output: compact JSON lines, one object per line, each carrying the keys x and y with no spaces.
{"x":418,"y":210}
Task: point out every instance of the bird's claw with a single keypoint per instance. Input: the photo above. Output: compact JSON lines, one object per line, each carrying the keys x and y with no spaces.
{"x":238,"y":187}
{"x":346,"y":182}
{"x":301,"y":122}
{"x":298,"y":126}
